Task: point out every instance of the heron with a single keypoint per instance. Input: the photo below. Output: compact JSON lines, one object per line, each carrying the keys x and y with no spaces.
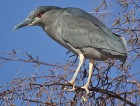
{"x":81,"y":33}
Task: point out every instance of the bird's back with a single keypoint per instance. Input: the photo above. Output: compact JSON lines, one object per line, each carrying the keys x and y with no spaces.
{"x":116,"y":43}
{"x":76,"y":29}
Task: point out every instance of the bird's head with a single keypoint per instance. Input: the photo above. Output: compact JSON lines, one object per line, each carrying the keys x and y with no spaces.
{"x":35,"y":17}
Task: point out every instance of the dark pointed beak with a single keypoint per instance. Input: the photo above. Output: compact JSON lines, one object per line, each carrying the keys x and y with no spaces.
{"x":26,"y":22}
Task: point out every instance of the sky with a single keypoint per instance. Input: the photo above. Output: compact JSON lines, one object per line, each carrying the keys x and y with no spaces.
{"x":31,"y":39}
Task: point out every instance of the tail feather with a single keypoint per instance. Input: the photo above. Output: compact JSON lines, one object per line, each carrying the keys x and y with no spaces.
{"x":122,"y":58}
{"x":124,"y":44}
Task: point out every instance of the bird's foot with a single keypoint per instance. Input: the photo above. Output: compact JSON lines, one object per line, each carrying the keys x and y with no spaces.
{"x":86,"y":89}
{"x":71,"y":90}
{"x":84,"y":99}
{"x":71,"y":83}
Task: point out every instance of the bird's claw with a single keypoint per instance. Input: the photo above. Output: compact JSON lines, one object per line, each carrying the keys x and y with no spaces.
{"x":71,"y":90}
{"x":71,"y":83}
{"x":85,"y":87}
{"x":84,"y":99}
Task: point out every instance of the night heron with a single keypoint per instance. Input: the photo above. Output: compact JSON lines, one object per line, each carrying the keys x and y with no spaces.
{"x":79,"y":32}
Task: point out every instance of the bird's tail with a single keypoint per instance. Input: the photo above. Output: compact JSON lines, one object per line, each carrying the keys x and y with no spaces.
{"x":124,"y":44}
{"x":122,"y":58}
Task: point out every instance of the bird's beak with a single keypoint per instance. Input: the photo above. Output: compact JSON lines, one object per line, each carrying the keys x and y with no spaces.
{"x":27,"y":22}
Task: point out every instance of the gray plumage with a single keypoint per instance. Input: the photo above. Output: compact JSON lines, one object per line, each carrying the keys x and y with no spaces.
{"x":87,"y":33}
{"x":79,"y":32}
{"x":82,"y":31}
{"x":75,"y":28}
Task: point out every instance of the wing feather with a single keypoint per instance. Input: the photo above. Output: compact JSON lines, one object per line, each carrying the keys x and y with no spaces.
{"x":81,"y":31}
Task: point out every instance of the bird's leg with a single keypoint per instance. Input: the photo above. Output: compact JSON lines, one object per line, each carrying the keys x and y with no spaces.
{"x":89,"y":76}
{"x":72,"y":81}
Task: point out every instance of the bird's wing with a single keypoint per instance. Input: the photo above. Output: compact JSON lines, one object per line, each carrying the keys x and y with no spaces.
{"x":81,"y":32}
{"x":81,"y":13}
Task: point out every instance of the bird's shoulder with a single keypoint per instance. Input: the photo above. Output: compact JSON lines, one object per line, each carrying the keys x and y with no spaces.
{"x":77,"y":13}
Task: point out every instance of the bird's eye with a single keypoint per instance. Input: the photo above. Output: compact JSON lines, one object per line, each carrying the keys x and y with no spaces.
{"x":39,"y":15}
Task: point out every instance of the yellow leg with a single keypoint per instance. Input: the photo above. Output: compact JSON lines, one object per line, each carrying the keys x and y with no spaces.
{"x":72,"y":81}
{"x":89,"y":76}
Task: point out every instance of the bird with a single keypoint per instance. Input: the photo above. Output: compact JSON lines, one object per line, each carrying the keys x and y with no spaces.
{"x":81,"y":33}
